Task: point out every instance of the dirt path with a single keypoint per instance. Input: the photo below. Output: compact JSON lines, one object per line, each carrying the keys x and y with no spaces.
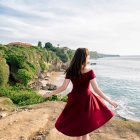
{"x":26,"y":122}
{"x":37,"y":123}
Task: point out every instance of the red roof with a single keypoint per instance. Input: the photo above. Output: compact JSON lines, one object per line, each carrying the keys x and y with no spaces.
{"x":20,"y":43}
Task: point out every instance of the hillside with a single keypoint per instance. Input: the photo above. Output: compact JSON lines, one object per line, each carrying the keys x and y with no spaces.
{"x":95,"y":55}
{"x":22,"y":62}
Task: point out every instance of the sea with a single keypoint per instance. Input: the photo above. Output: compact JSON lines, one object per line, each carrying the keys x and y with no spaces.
{"x":119,"y":79}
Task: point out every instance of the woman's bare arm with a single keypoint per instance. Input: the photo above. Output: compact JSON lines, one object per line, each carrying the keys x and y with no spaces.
{"x":98,"y":90}
{"x":100,"y":93}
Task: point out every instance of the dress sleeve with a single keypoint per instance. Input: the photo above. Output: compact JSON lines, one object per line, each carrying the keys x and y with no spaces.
{"x":92,"y":75}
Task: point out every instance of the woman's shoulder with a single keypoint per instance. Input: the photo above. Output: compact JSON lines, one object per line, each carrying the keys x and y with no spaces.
{"x":86,"y":70}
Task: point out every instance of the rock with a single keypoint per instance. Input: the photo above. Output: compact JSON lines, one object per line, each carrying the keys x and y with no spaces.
{"x":55,"y":66}
{"x":10,"y":123}
{"x":3,"y":114}
{"x":92,"y":63}
{"x":40,"y":133}
{"x":51,"y":86}
{"x":46,"y":78}
{"x":37,"y":85}
{"x":45,"y":88}
{"x":6,"y":104}
{"x":41,"y":76}
{"x":22,"y":138}
{"x":38,"y":138}
{"x":64,"y":66}
{"x":5,"y":101}
{"x":2,"y":109}
{"x":15,"y":110}
{"x":15,"y":120}
{"x":61,"y":70}
{"x":25,"y":109}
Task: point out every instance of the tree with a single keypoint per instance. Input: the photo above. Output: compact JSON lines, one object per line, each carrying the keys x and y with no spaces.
{"x":40,"y":44}
{"x":49,"y":46}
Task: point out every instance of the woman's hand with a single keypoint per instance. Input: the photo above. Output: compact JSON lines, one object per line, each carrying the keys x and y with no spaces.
{"x":113,"y":103}
{"x":46,"y":95}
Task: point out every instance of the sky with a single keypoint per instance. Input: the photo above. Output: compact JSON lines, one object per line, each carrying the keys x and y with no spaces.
{"x":105,"y":26}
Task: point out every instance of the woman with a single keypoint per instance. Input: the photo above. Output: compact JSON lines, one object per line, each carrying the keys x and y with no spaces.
{"x":84,"y":111}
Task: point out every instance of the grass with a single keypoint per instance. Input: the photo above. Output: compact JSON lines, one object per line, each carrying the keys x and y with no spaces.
{"x":23,"y":96}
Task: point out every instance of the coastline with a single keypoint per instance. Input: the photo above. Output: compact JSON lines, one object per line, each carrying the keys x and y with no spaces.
{"x":53,"y":78}
{"x":56,"y":79}
{"x":43,"y":115}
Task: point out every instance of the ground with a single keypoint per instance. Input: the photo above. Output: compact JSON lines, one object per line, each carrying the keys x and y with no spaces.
{"x":36,"y":122}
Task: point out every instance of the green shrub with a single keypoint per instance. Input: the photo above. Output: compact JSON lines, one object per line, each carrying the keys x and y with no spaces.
{"x":4,"y":72}
{"x":16,"y":60}
{"x":58,"y":98}
{"x":24,"y":96}
{"x":24,"y":75}
{"x":21,"y":97}
{"x":42,"y":65}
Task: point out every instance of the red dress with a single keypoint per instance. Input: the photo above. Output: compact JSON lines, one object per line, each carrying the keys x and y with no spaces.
{"x":84,"y":111}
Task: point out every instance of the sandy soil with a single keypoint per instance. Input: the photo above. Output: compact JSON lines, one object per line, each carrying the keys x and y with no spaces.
{"x":36,"y":122}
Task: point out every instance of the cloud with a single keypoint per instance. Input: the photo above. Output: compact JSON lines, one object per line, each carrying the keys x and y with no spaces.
{"x":106,"y":26}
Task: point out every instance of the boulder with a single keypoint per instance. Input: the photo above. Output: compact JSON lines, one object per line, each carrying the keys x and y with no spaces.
{"x":6,"y":104}
{"x":49,"y":86}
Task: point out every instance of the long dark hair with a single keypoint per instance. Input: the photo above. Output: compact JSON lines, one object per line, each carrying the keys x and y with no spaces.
{"x":77,"y":61}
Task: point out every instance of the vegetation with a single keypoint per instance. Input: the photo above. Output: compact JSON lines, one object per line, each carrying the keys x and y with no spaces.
{"x":25,"y":63}
{"x":21,"y":62}
{"x":39,"y":44}
{"x":95,"y":55}
{"x":4,"y":72}
{"x":22,"y":96}
{"x":65,"y":54}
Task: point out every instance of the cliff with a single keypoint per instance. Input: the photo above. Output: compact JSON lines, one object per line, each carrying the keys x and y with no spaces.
{"x":38,"y":123}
